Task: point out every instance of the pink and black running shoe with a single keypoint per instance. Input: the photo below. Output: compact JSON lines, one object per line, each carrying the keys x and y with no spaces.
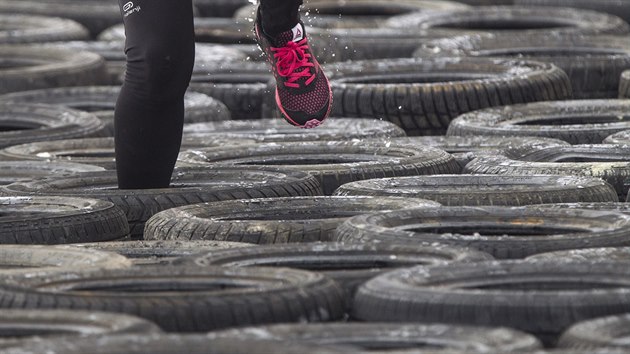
{"x":303,"y":94}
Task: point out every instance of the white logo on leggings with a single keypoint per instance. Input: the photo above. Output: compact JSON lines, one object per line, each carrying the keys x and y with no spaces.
{"x":128,"y":8}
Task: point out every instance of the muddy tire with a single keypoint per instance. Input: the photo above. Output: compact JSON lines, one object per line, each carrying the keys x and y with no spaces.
{"x":189,"y":186}
{"x":607,"y":332}
{"x":20,"y":326}
{"x":348,"y":264}
{"x":263,"y":221}
{"x":59,"y":220}
{"x":23,"y":29}
{"x":164,"y":343}
{"x":22,"y":171}
{"x":498,"y":190}
{"x":512,"y":20}
{"x":602,"y":254}
{"x":26,"y":123}
{"x":333,"y":163}
{"x":274,"y":130}
{"x":143,"y":253}
{"x":594,"y":63}
{"x":517,"y":294}
{"x":576,"y":122}
{"x":190,"y":299}
{"x":94,"y":15}
{"x":92,"y":151}
{"x":531,"y":230}
{"x":424,"y":96}
{"x":608,"y":162}
{"x":20,"y":259}
{"x":392,"y":336}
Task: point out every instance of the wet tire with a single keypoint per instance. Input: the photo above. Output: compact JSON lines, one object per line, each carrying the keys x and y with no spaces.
{"x":219,"y":8}
{"x":576,"y":122}
{"x":594,"y":63}
{"x":276,"y":130}
{"x":22,"y":171}
{"x":512,"y":20}
{"x":93,"y":151}
{"x":164,"y":343}
{"x":498,"y":190}
{"x":23,"y":29}
{"x":188,"y":186}
{"x":608,"y":162}
{"x":485,"y":228}
{"x":614,"y":7}
{"x":602,"y":254}
{"x":624,"y":84}
{"x":424,"y":96}
{"x":263,"y":221}
{"x":143,"y":253}
{"x":349,"y":264}
{"x":333,"y":163}
{"x":59,"y":220}
{"x":30,"y":67}
{"x":20,"y":326}
{"x":465,"y":148}
{"x":197,"y":106}
{"x":330,"y":14}
{"x":94,"y":15}
{"x":184,"y":299}
{"x":393,"y":336}
{"x":619,"y":138}
{"x":518,"y":294}
{"x":607,"y":332}
{"x":27,"y":123}
{"x":21,"y":259}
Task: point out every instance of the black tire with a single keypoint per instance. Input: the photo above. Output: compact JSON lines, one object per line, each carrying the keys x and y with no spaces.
{"x":485,"y":228}
{"x":543,"y":298}
{"x":20,"y":326}
{"x":606,"y":332}
{"x":608,"y":162}
{"x":619,"y":8}
{"x":58,"y":220}
{"x":275,"y":130}
{"x":198,"y":107}
{"x":512,"y":20}
{"x":349,"y":264}
{"x":93,"y":151}
{"x":30,"y":67}
{"x":95,"y":15}
{"x":184,"y":299}
{"x":164,"y":344}
{"x":23,"y":171}
{"x":576,"y":122}
{"x":219,"y":8}
{"x":330,"y":14}
{"x":594,"y":63}
{"x":263,"y":221}
{"x":189,"y":186}
{"x":23,"y":29}
{"x":624,"y":84}
{"x":497,"y":190}
{"x":20,"y":259}
{"x":333,"y":163}
{"x":465,"y":148}
{"x":27,"y":123}
{"x":619,"y":138}
{"x":394,"y":336}
{"x":602,"y":254}
{"x":423,"y":96}
{"x":143,"y":253}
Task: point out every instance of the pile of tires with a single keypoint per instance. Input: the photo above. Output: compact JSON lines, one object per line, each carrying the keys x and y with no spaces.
{"x":469,"y":193}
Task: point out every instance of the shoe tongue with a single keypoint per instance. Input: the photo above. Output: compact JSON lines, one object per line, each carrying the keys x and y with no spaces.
{"x":295,"y":34}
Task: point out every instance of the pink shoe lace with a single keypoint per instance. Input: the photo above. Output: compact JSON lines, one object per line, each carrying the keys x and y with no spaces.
{"x":291,"y":58}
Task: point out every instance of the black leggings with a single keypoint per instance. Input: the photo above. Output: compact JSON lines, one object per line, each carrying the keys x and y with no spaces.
{"x":160,"y":49}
